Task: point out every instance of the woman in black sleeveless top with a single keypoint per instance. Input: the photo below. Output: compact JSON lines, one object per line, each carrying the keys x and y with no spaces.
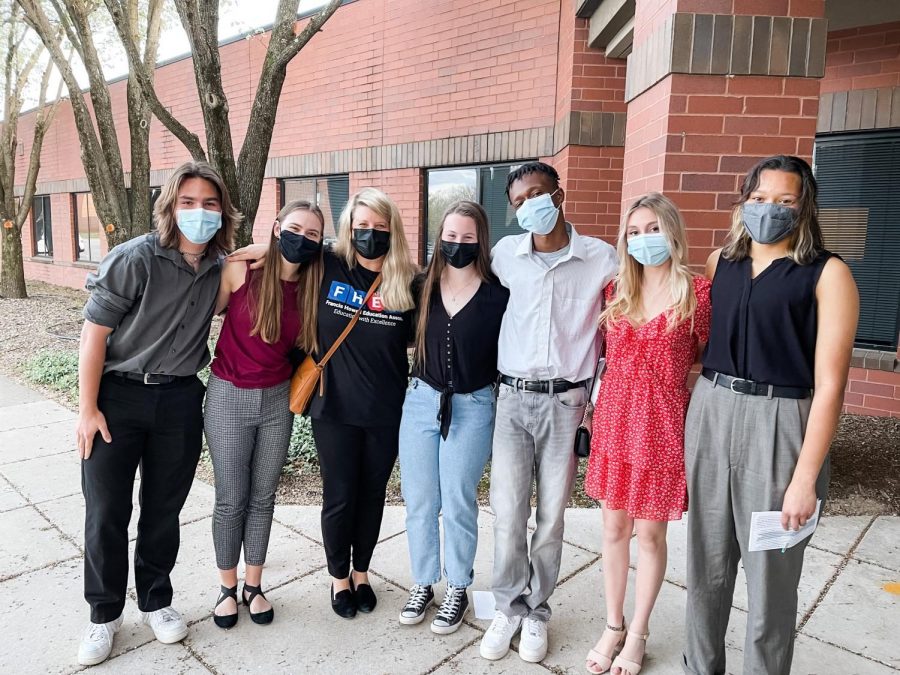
{"x":784,"y":313}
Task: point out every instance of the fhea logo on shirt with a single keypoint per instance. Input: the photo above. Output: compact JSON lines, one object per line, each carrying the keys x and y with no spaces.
{"x":348,"y":296}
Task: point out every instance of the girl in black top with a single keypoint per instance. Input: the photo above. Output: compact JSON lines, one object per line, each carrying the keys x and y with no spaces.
{"x":355,"y":423}
{"x":448,"y":415}
{"x":784,"y":313}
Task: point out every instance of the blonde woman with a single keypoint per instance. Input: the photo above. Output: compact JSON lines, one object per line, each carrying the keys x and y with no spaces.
{"x":248,"y":422}
{"x":357,"y":421}
{"x":657,"y":316}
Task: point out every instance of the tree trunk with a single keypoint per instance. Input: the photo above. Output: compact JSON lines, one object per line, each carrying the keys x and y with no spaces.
{"x":12,"y":269}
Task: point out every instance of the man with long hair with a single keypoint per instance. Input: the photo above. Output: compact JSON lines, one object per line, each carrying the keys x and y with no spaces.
{"x":140,"y":403}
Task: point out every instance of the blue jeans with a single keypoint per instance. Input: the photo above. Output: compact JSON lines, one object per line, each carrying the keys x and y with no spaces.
{"x":443,"y":475}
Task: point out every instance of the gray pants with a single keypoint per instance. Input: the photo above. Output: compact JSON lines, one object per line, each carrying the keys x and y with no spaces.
{"x":534,"y":438}
{"x":740,"y":454}
{"x":248,"y":432}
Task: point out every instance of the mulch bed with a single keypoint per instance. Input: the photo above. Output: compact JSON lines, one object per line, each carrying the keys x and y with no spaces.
{"x":865,"y":454}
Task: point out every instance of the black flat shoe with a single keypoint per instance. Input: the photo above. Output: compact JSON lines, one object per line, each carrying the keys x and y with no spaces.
{"x":365,"y":597}
{"x":344,"y":603}
{"x":262,"y":618}
{"x":226,"y":620}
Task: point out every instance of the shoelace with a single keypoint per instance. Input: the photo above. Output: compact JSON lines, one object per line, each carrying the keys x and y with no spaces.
{"x":97,"y":632}
{"x":450,"y":605}
{"x":167,"y":615}
{"x":417,"y":597}
{"x":500,"y":623}
{"x":535,"y":628}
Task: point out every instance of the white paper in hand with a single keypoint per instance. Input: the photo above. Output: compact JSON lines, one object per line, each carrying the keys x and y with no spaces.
{"x":767,"y":534}
{"x":484,"y":605}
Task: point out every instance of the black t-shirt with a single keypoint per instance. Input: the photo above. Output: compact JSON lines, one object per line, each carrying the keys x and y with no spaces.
{"x":461,"y":351}
{"x":365,"y":380}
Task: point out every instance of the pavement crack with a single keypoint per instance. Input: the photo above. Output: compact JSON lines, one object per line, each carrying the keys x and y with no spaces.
{"x":837,"y":572}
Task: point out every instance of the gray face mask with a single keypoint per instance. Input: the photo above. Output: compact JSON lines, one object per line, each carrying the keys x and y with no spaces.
{"x":768,"y":223}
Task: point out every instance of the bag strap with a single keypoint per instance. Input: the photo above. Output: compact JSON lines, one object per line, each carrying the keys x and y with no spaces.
{"x":337,"y":343}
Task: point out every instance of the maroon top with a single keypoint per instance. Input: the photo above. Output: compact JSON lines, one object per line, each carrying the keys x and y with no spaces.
{"x":246,"y":360}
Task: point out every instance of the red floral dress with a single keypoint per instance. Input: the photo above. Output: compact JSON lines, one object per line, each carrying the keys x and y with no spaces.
{"x":637,"y":443}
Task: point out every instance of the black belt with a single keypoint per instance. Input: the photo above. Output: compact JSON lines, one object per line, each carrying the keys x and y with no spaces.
{"x":541,"y":386}
{"x":741,"y":386}
{"x":152,"y":378}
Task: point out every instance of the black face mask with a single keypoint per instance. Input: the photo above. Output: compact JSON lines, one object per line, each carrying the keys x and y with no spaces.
{"x":371,"y":243}
{"x":457,"y":254}
{"x":296,"y":248}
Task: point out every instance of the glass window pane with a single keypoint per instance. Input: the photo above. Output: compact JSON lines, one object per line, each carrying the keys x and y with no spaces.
{"x":501,"y":215}
{"x":42,"y":226}
{"x":446,"y":186}
{"x":87,"y":228}
{"x":329,"y":193}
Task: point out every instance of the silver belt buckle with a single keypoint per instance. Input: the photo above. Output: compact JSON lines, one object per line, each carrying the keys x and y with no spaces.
{"x":735,"y":391}
{"x":146,"y":381}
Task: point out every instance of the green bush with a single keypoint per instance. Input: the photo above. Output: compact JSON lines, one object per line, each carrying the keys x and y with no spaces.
{"x":56,"y":369}
{"x":302,"y":455}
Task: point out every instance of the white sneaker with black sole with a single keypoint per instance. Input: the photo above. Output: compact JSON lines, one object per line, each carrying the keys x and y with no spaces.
{"x":452,"y":611}
{"x":533,"y":642}
{"x":495,"y":643}
{"x":420,"y":597}
{"x":97,"y":642}
{"x":167,"y":625}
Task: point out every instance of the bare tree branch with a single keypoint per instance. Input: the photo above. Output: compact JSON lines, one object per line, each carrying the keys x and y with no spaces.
{"x":142,"y":72}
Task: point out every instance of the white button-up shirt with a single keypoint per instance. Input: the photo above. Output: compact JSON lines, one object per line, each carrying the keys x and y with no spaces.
{"x":549,"y":330}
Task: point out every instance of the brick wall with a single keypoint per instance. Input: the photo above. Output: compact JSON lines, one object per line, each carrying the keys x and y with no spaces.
{"x":863,"y":58}
{"x":873,"y":392}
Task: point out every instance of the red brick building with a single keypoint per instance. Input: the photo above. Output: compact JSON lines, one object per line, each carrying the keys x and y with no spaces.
{"x":435,"y":100}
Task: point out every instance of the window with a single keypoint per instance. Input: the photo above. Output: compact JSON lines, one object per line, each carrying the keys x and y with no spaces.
{"x":42,"y":226}
{"x":859,"y":205}
{"x":88,"y":230}
{"x":329,"y":193}
{"x":483,"y":184}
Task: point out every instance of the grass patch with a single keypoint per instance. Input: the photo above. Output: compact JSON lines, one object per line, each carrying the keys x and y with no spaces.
{"x":56,"y":369}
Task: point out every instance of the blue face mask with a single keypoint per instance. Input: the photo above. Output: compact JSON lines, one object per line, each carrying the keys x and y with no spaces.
{"x":649,"y":249}
{"x":198,"y":225}
{"x":538,"y":215}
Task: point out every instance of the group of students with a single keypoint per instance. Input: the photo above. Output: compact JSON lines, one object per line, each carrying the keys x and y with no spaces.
{"x":506,"y":344}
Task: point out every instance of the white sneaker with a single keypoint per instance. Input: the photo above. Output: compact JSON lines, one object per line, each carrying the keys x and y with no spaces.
{"x":167,"y":625}
{"x":495,"y":643}
{"x":97,"y":642}
{"x":533,"y":643}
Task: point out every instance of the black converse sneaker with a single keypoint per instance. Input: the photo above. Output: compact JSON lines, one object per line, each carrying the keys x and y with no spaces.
{"x":419,"y":599}
{"x":453,"y":610}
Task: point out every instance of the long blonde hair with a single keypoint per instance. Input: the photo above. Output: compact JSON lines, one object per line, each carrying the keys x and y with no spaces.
{"x":164,"y":209}
{"x":436,"y":267}
{"x":626,"y":304}
{"x":398,"y":270}
{"x":265,"y":295}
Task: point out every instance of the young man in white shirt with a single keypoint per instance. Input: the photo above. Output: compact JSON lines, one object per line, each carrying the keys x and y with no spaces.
{"x":549,"y":346}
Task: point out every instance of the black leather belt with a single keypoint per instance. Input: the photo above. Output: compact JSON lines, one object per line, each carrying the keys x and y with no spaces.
{"x":750,"y":388}
{"x":541,"y":386}
{"x":153,"y":378}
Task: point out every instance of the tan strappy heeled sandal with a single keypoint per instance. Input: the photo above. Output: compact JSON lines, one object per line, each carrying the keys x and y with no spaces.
{"x":604,"y":661}
{"x":628,"y":666}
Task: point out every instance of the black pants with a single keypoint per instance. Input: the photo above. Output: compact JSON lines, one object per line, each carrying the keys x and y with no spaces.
{"x":159,"y":428}
{"x":356,"y":464}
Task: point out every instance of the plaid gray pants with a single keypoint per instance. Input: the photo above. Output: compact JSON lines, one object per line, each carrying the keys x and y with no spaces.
{"x":248,"y":432}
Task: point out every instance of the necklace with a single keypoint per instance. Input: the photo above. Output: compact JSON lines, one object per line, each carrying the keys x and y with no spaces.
{"x":455,"y":294}
{"x":193,"y":258}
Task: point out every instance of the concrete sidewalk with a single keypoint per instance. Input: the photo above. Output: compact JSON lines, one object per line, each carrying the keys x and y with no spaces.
{"x":848,"y":621}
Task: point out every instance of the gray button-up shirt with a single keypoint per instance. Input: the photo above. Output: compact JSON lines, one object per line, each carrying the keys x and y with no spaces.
{"x":159,"y":308}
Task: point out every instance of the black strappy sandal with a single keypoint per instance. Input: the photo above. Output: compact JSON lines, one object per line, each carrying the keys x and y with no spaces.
{"x":226,"y":620}
{"x":261,"y":618}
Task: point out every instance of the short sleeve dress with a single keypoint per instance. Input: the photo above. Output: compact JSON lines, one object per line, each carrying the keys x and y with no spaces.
{"x":637,"y":441}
